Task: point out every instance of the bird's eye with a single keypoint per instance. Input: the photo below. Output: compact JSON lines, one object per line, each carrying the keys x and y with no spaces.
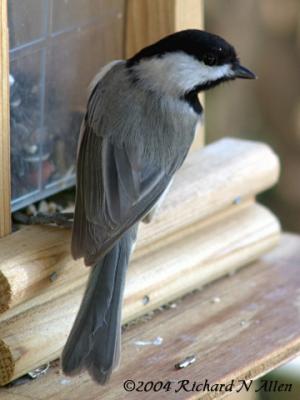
{"x":210,"y":59}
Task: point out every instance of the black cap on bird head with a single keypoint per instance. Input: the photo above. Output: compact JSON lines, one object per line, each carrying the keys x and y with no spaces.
{"x":207,"y":57}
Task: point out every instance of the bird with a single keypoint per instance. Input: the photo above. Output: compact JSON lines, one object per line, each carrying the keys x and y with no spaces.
{"x":140,"y":122}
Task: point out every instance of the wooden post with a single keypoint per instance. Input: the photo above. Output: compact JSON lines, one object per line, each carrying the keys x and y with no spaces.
{"x":5,"y":196}
{"x":150,"y":20}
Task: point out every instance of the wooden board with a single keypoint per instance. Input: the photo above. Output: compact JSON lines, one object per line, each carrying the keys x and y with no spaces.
{"x":252,"y":328}
{"x":211,"y":181}
{"x":35,"y":332}
{"x":5,"y":216}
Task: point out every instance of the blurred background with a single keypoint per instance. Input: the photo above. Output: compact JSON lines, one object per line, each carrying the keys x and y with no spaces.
{"x":266,"y":34}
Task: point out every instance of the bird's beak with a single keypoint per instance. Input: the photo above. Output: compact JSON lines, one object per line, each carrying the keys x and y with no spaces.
{"x":243,"y":72}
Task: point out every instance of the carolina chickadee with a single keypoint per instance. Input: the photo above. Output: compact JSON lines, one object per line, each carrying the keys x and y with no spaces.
{"x":139,"y":125}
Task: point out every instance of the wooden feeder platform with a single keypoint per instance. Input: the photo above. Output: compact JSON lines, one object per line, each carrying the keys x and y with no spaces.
{"x":239,"y":327}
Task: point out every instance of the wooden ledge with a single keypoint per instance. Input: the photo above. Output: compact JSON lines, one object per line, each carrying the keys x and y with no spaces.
{"x":201,"y":255}
{"x":208,"y":227}
{"x":239,"y":327}
{"x":213,"y":179}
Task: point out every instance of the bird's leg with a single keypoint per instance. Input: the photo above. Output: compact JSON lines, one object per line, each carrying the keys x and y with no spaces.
{"x":64,"y":220}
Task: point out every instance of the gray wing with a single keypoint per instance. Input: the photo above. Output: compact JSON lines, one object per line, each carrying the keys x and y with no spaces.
{"x":126,"y":159}
{"x":115,"y":189}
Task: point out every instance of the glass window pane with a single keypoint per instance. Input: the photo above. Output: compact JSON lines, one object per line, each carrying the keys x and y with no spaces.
{"x":25,"y":123}
{"x":27,"y":21}
{"x":51,"y":76}
{"x":66,"y":88}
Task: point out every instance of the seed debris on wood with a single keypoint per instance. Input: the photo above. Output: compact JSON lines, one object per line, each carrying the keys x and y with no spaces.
{"x":186,"y":362}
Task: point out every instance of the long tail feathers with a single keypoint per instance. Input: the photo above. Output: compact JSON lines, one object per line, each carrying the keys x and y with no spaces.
{"x":94,"y":341}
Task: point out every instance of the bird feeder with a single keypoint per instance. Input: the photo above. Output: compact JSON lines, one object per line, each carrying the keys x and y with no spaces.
{"x":210,"y":225}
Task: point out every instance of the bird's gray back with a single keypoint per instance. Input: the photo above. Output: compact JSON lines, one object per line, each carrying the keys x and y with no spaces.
{"x":129,"y":113}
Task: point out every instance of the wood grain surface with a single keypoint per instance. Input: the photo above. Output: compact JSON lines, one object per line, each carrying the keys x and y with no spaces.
{"x":212,"y":180}
{"x":252,"y":328}
{"x":5,"y":216}
{"x":37,"y":330}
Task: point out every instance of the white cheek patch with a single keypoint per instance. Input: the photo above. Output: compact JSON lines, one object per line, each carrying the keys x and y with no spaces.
{"x":177,"y":73}
{"x":214,"y":73}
